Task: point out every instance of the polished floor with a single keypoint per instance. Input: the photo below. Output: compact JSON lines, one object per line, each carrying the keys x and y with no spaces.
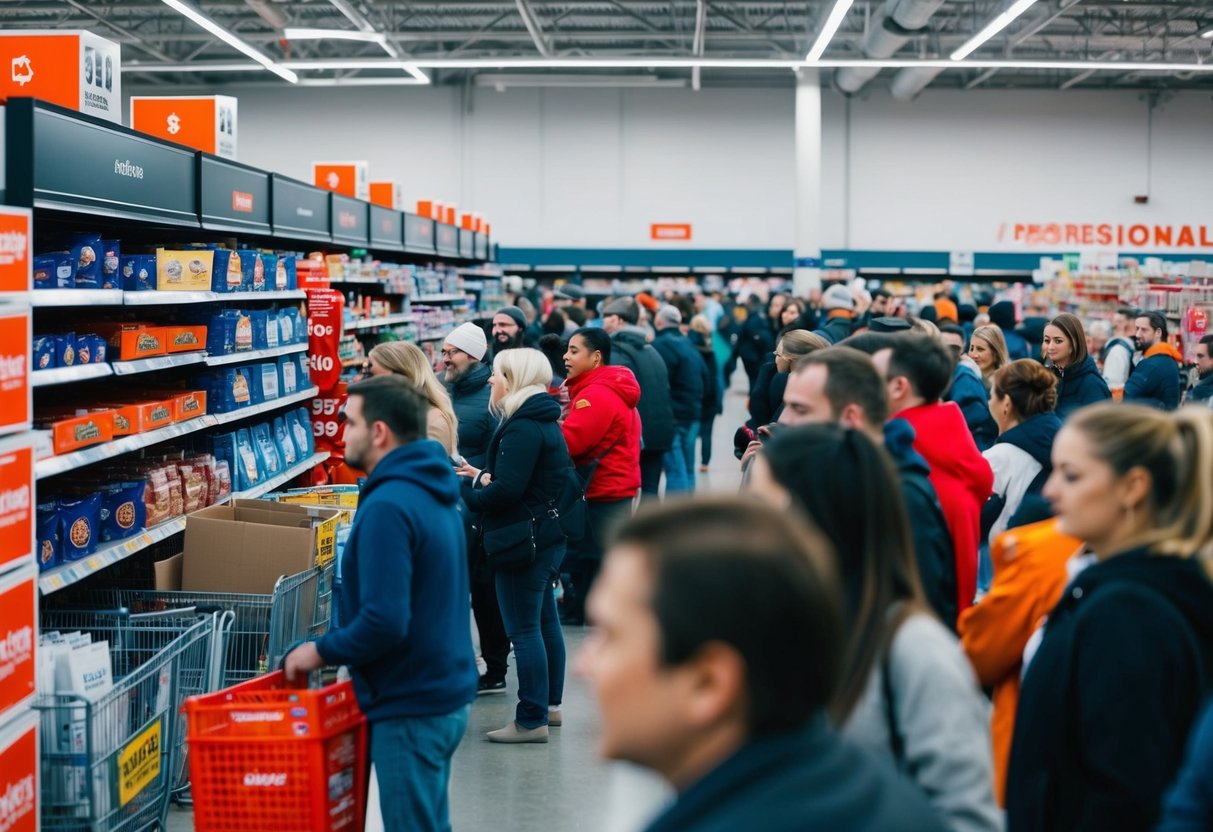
{"x":563,"y":785}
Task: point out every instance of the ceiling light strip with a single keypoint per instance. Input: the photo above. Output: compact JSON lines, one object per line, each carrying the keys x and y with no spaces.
{"x":186,"y":10}
{"x":841,"y":7}
{"x":992,"y":28}
{"x":333,"y":34}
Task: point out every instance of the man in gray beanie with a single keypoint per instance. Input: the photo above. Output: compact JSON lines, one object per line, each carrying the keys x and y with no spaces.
{"x":509,"y":329}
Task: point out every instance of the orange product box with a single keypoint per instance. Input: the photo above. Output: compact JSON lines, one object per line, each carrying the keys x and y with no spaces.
{"x":128,"y":341}
{"x":203,"y":122}
{"x":71,"y":432}
{"x":346,"y":178}
{"x":425,"y":208}
{"x":185,"y":404}
{"x":16,"y":338}
{"x":387,"y":194}
{"x":467,"y":222}
{"x":74,"y":69}
{"x":140,"y":417}
{"x":184,"y":338}
{"x":19,"y":773}
{"x":16,"y":249}
{"x":18,"y":621}
{"x":16,"y":499}
{"x":451,"y":213}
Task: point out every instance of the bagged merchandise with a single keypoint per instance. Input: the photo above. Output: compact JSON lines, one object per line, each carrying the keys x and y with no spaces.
{"x":290,"y":326}
{"x":138,"y":272}
{"x":260,"y":319}
{"x":79,"y":520}
{"x":111,"y":257}
{"x":305,"y":370}
{"x":263,"y":442}
{"x":205,"y":465}
{"x":249,"y":470}
{"x":250,"y":265}
{"x":228,"y":275}
{"x":300,"y":424}
{"x":86,"y":255}
{"x":193,"y":486}
{"x":156,"y":500}
{"x":285,"y":275}
{"x":243,"y":332}
{"x":43,"y":354}
{"x":221,"y":333}
{"x":285,"y":442}
{"x":223,"y":480}
{"x":258,"y":284}
{"x":65,"y":350}
{"x":230,"y":389}
{"x":265,"y":382}
{"x":288,"y":372}
{"x":54,"y":270}
{"x":269,"y":270}
{"x":49,"y":542}
{"x":91,"y":349}
{"x":123,"y":512}
{"x":176,"y":497}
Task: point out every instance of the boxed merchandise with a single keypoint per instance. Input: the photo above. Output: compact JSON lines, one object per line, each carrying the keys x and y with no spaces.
{"x":185,"y":404}
{"x":54,"y":270}
{"x":111,"y":259}
{"x":229,"y":272}
{"x":230,"y":389}
{"x":203,"y":122}
{"x":181,"y":338}
{"x":128,"y":341}
{"x":138,"y":272}
{"x":140,"y":417}
{"x":73,"y":431}
{"x":184,"y":271}
{"x":228,"y":332}
{"x":247,"y":545}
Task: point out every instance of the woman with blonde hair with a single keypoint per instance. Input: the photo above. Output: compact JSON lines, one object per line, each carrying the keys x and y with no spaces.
{"x":988,"y":349}
{"x":766,"y":398}
{"x":525,"y":474}
{"x":1126,"y":660}
{"x":404,"y":359}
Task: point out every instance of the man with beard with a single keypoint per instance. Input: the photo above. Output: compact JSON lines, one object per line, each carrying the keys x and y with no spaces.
{"x":1202,"y":391}
{"x":467,"y":380}
{"x":509,"y":329}
{"x":1155,"y":379}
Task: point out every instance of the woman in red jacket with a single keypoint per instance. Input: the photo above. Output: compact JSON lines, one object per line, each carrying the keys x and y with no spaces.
{"x":602,"y":430}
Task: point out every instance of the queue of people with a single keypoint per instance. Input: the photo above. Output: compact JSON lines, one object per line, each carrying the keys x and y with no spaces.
{"x":812,"y":653}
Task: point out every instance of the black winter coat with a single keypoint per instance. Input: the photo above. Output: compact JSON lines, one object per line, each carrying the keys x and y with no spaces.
{"x":529,"y":463}
{"x":630,"y":349}
{"x":766,"y":396}
{"x":970,"y":395}
{"x":757,"y":339}
{"x":687,"y":374}
{"x":835,"y":329}
{"x":1110,"y":696}
{"x":1202,"y":390}
{"x":711,"y":390}
{"x":1079,"y":386}
{"x":470,"y":398}
{"x":1154,"y":381}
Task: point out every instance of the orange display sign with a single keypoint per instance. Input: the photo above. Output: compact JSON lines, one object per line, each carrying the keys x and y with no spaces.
{"x":345,"y":178}
{"x":19,"y":775}
{"x":16,"y":335}
{"x":16,"y":500}
{"x":670,"y":231}
{"x":18,"y":636}
{"x":203,"y":122}
{"x":16,"y":249}
{"x":451,"y":212}
{"x":426,"y":208}
{"x":387,"y":194}
{"x":77,"y":70}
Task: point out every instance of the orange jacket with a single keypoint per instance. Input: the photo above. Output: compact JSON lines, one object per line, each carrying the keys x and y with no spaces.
{"x":1029,"y":576}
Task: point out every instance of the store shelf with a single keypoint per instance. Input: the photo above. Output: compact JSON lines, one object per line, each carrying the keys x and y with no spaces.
{"x":175,"y":298}
{"x":374,"y":280}
{"x":264,"y":407}
{"x":255,"y":355}
{"x":388,"y":320}
{"x":447,"y":298}
{"x":282,"y":479}
{"x":69,"y":573}
{"x":76,"y":297}
{"x":67,"y":375}
{"x":159,"y":362}
{"x":433,"y":336}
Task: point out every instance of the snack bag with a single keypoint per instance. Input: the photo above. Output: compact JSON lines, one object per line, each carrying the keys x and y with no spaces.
{"x":249,"y":471}
{"x":79,"y":521}
{"x":301,"y":428}
{"x":285,"y":442}
{"x":288,"y":372}
{"x":49,"y":540}
{"x":44,"y":353}
{"x":267,"y":451}
{"x":123,"y":511}
{"x":156,"y":500}
{"x":223,"y":478}
{"x":86,"y":255}
{"x":65,"y":349}
{"x":111,"y":258}
{"x":138,"y":272}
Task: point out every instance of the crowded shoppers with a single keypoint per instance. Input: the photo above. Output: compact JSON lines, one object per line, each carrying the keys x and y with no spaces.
{"x":1202,"y":390}
{"x":408,"y":361}
{"x":509,"y":329}
{"x":757,"y":336}
{"x":602,"y":431}
{"x":693,"y":681}
{"x":1078,"y":380}
{"x":524,"y":475}
{"x":1117,"y":356}
{"x":1002,"y":315}
{"x":713,"y":393}
{"x":402,"y":604}
{"x":898,"y":660}
{"x":839,"y":306}
{"x":688,"y":378}
{"x":917,"y":370}
{"x":1114,"y":687}
{"x":968,"y":389}
{"x":988,"y":350}
{"x":766,"y":397}
{"x":1155,"y":379}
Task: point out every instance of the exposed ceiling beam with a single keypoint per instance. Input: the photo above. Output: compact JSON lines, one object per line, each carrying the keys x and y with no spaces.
{"x":697,"y":44}
{"x":532,"y":26}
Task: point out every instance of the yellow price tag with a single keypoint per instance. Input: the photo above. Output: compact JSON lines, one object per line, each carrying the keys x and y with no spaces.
{"x":139,"y":763}
{"x":94,"y":563}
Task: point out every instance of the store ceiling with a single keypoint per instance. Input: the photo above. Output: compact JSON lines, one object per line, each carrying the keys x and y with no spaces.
{"x":161,"y":46}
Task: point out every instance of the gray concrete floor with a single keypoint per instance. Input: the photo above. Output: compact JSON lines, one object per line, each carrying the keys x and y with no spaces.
{"x":563,"y":785}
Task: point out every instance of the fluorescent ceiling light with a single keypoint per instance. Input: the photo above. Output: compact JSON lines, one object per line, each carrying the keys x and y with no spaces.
{"x":231,"y":40}
{"x":1207,"y":33}
{"x":827,"y":31}
{"x":333,"y":34}
{"x":992,"y":28}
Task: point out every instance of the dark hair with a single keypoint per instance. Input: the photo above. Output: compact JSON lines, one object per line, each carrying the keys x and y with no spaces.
{"x":925,"y":362}
{"x":870,"y":342}
{"x":595,"y":339}
{"x":553,"y":346}
{"x":1071,"y":327}
{"x":554,"y":324}
{"x":396,"y":402}
{"x":1207,"y":341}
{"x":700,"y":552}
{"x":1030,"y":386}
{"x":954,"y":329}
{"x":575,"y":314}
{"x":1127,"y":312}
{"x":685,"y":307}
{"x":851,"y":378}
{"x":1157,"y":320}
{"x":881,"y":292}
{"x":860,"y":509}
{"x":929,"y":313}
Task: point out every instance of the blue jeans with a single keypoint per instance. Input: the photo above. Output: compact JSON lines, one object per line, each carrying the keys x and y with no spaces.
{"x":528,"y":609}
{"x":680,"y":459}
{"x":412,"y":757}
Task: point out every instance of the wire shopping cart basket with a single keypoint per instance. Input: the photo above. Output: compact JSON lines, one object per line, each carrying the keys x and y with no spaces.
{"x":110,"y":761}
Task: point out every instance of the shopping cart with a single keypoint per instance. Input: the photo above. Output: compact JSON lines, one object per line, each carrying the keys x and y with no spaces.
{"x":268,"y":756}
{"x":109,"y":763}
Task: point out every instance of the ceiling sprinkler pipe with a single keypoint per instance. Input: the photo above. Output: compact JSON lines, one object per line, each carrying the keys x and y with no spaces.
{"x":900,"y":20}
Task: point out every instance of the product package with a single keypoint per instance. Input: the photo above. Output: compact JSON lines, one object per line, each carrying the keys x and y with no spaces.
{"x":267,"y":451}
{"x":229,"y":274}
{"x":138,"y":272}
{"x":260,"y":319}
{"x":65,"y":350}
{"x":49,"y":541}
{"x":269,"y":270}
{"x":251,"y":270}
{"x":285,"y":277}
{"x":249,"y":471}
{"x":79,"y":519}
{"x":90,"y":349}
{"x":305,"y":370}
{"x":290,"y":328}
{"x":184,"y":271}
{"x":265,"y":382}
{"x":223,"y":480}
{"x":300,"y":424}
{"x":288,"y":371}
{"x":111,"y":258}
{"x":231,"y":389}
{"x":86,"y":255}
{"x":123,"y":512}
{"x":54,"y":270}
{"x":43,"y":354}
{"x":285,"y":442}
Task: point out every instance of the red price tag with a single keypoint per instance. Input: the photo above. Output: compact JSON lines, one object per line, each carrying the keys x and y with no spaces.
{"x":326,"y":421}
{"x":324,"y":325}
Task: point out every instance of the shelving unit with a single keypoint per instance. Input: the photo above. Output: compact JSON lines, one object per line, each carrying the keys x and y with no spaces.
{"x":69,"y":375}
{"x":387,"y":320}
{"x":116,"y":297}
{"x":159,"y":362}
{"x":255,"y":355}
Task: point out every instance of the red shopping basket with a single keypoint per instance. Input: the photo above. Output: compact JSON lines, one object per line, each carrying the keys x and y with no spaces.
{"x":267,"y":756}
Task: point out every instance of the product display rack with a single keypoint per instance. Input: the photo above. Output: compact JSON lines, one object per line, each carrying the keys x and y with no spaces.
{"x":375,"y":323}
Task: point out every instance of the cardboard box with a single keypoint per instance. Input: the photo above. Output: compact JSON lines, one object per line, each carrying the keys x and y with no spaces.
{"x":184,"y":271}
{"x":71,"y":433}
{"x":128,"y":341}
{"x":16,"y":338}
{"x":16,"y":500}
{"x":18,"y":637}
{"x":246,"y":546}
{"x":184,"y":338}
{"x":16,"y":249}
{"x":345,"y":178}
{"x":387,"y":194}
{"x":168,"y":573}
{"x":203,"y":122}
{"x":77,"y":70}
{"x":20,"y":773}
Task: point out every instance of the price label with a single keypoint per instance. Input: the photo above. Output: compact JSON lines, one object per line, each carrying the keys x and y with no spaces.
{"x":327,"y":426}
{"x":94,"y":563}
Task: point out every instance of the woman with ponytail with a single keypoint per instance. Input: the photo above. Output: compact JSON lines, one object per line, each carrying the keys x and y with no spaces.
{"x":1126,"y":658}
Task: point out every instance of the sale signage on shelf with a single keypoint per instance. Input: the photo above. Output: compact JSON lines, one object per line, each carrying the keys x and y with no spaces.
{"x":72,"y":69}
{"x":19,"y":772}
{"x":16,"y":336}
{"x":16,"y":249}
{"x":387,"y":194}
{"x":16,"y":500}
{"x":203,"y":122}
{"x":327,"y":423}
{"x":325,"y":325}
{"x":350,"y":179}
{"x":18,"y":637}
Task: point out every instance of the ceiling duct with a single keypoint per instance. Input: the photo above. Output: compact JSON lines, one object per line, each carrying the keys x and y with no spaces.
{"x":908,"y":83}
{"x":900,"y":20}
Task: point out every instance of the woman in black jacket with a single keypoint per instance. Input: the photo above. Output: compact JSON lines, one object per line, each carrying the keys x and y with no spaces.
{"x":713,"y":395}
{"x":1079,"y":382}
{"x":766,"y":396}
{"x":527,"y":469}
{"x":1126,"y":660}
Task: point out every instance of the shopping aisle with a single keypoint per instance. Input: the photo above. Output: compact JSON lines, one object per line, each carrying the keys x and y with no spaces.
{"x":562,"y":785}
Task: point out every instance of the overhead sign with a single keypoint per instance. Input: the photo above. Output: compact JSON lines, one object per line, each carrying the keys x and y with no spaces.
{"x":1138,"y":235}
{"x":72,"y":69}
{"x":349,"y":220}
{"x":670,"y":231}
{"x":204,"y":122}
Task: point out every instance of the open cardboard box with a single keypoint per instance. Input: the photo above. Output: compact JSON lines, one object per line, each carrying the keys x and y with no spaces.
{"x":247,"y":545}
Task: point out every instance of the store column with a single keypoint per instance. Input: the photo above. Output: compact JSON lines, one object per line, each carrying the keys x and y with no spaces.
{"x":807,"y":275}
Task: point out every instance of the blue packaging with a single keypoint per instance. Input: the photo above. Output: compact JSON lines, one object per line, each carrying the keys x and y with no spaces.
{"x":228,"y":274}
{"x":123,"y":511}
{"x":249,"y":471}
{"x":250,"y":265}
{"x":285,"y":277}
{"x":265,"y":382}
{"x":49,"y":543}
{"x":65,"y":350}
{"x":269,"y":270}
{"x":260,"y":321}
{"x":45,"y":266}
{"x":221,"y":334}
{"x":60,"y":268}
{"x":288,"y":375}
{"x":263,"y":443}
{"x":44,"y":353}
{"x":86,"y":255}
{"x":305,"y":370}
{"x":79,"y":519}
{"x":138,"y":272}
{"x":300,"y":424}
{"x":111,"y":259}
{"x":285,"y":442}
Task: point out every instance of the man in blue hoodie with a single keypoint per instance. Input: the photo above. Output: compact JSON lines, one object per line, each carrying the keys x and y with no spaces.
{"x":403,"y":604}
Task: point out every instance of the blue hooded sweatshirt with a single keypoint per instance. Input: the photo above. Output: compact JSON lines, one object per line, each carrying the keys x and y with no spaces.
{"x":404,"y":594}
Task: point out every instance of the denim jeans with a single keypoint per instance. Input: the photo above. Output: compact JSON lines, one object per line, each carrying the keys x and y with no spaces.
{"x":528,"y":609}
{"x":680,"y":459}
{"x":412,"y":757}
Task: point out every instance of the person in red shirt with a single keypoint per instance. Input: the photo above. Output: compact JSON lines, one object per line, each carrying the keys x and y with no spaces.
{"x":602,"y":430}
{"x":917,"y":370}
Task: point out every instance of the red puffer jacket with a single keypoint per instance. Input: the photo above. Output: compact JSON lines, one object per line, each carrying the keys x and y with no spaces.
{"x":602,"y":420}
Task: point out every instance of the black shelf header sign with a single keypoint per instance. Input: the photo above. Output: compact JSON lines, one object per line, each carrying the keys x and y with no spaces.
{"x":350,"y":220}
{"x":59,"y":159}
{"x":467,"y":244}
{"x":387,"y":228}
{"x":300,"y":211}
{"x":419,"y":233}
{"x":446,"y":239}
{"x":482,"y":246}
{"x":232,"y":197}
